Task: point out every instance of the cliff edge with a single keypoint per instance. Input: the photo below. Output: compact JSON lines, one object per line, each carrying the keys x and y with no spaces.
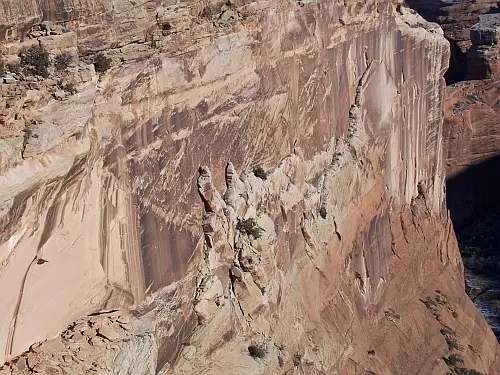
{"x":252,"y":186}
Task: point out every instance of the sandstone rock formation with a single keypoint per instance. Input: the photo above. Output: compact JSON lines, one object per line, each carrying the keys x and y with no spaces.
{"x":472,"y":147}
{"x":139,"y":194}
{"x":457,"y":18}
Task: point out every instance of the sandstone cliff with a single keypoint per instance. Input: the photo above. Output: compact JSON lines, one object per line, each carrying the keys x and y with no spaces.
{"x":139,"y":193}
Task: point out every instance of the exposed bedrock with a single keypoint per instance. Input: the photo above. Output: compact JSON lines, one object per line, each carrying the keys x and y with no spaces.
{"x":319,"y":258}
{"x":472,"y":149}
{"x":458,"y":19}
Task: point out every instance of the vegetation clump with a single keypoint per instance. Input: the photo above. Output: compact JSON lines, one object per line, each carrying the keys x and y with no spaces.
{"x":260,"y":173}
{"x":249,"y":227}
{"x":257,"y":351}
{"x":62,"y":61}
{"x":36,"y":61}
{"x":322,"y":212}
{"x":447,"y":332}
{"x":453,"y":360}
{"x":14,"y":67}
{"x":102,"y":63}
{"x":430,"y":303}
{"x":2,"y":67}
{"x":452,"y":344}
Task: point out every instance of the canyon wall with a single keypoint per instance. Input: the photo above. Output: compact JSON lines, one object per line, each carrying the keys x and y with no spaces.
{"x":137,"y":194}
{"x":471,"y":128}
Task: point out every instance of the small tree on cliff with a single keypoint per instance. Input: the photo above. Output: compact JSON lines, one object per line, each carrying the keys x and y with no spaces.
{"x":36,"y":61}
{"x":101,"y":63}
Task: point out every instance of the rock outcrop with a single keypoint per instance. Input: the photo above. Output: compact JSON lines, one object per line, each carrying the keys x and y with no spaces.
{"x":457,"y":18}
{"x":472,"y":148}
{"x":259,"y":183}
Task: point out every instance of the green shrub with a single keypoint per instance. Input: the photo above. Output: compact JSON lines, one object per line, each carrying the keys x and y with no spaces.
{"x":455,"y":314}
{"x":257,"y":351}
{"x":430,"y":303}
{"x":36,"y":61}
{"x":466,"y":371}
{"x":440,"y":298}
{"x":62,"y":61}
{"x":447,"y":331}
{"x":452,"y":344}
{"x":101,"y":63}
{"x":2,"y":67}
{"x":454,"y":360}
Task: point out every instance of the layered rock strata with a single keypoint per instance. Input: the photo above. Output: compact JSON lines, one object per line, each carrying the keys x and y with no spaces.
{"x":147,"y":198}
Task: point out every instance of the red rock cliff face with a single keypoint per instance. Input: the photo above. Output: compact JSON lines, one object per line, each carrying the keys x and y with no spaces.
{"x":320,"y":263}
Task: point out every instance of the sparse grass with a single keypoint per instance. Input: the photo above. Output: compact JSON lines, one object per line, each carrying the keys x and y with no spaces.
{"x":260,"y":173}
{"x":36,"y":61}
{"x":250,"y":227}
{"x":257,"y":351}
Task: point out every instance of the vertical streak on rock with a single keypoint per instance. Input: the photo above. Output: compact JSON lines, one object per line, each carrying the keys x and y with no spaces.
{"x":13,"y":323}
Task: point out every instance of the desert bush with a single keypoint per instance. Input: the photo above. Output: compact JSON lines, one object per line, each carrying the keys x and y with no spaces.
{"x":2,"y":67}
{"x":14,"y":67}
{"x":249,"y":227}
{"x":101,"y":63}
{"x":36,"y":61}
{"x":62,"y":61}
{"x":260,"y":173}
{"x":452,"y":344}
{"x":257,"y":351}
{"x":430,"y":303}
{"x":454,"y":360}
{"x":447,"y":331}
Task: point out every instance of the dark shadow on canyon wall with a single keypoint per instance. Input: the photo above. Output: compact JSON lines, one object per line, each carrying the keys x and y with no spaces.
{"x":474,"y":193}
{"x":473,"y":198}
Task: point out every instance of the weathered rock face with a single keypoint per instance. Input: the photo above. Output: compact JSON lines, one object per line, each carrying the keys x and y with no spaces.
{"x":457,"y":18}
{"x":483,"y":56}
{"x":472,"y":147}
{"x":320,"y":262}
